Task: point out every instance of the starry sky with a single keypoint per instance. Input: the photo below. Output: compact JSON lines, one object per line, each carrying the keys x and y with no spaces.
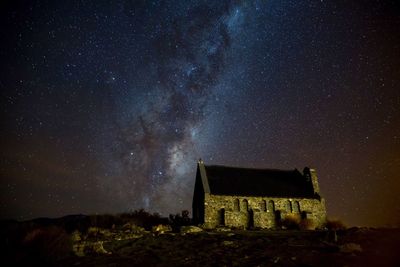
{"x":106,"y":106}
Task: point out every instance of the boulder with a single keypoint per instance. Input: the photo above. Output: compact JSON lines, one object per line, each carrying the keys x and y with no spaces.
{"x":99,"y":249}
{"x":131,"y":227}
{"x":223,"y":229}
{"x":76,"y":236}
{"x":190,"y":229}
{"x":88,"y":248}
{"x":78,"y":249}
{"x":161,"y":229}
{"x":106,"y":233}
{"x":93,"y":231}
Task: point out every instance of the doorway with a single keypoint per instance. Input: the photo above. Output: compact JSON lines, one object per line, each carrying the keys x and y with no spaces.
{"x":221,"y":217}
{"x":250,"y":219}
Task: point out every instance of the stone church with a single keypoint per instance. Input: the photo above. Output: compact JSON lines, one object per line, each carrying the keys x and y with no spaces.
{"x":261,"y":198}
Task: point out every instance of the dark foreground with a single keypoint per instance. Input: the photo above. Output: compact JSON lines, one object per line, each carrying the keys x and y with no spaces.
{"x":353,"y":247}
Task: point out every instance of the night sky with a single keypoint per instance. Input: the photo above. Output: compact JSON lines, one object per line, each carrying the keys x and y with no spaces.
{"x":107,"y":106}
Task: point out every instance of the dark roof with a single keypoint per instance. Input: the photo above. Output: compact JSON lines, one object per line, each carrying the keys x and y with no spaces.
{"x":224,"y":180}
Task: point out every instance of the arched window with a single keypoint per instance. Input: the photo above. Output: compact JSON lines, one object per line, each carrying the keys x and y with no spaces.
{"x":245,"y":205}
{"x":271,"y":206}
{"x":263,"y":205}
{"x":296,"y":207}
{"x":236,"y":205}
{"x":288,"y":206}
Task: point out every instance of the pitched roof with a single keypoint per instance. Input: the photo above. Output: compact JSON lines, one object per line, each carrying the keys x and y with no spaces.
{"x":223,"y":180}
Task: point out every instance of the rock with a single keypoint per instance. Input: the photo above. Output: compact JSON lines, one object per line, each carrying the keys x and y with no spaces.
{"x":131,"y":227}
{"x":350,"y":248}
{"x":91,"y":248}
{"x":190,"y":229}
{"x":87,"y":247}
{"x":223,"y":229}
{"x":98,"y":248}
{"x":161,"y":229}
{"x":78,"y":249}
{"x":126,"y":236}
{"x":276,"y":260}
{"x":76,"y":236}
{"x":106,"y":233}
{"x":93,"y":231}
{"x":126,"y":227}
{"x":137,"y":229}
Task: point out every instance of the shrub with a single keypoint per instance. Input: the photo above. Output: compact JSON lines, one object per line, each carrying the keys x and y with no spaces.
{"x":143,"y":219}
{"x":291,"y":221}
{"x":179,"y":220}
{"x":307,"y":224}
{"x":104,"y":221}
{"x":335,"y":225}
{"x":46,"y":245}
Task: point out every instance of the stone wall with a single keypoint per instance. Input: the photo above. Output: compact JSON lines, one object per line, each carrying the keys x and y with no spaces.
{"x":261,"y":212}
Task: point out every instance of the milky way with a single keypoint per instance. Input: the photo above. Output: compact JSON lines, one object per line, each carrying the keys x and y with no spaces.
{"x":106,"y":107}
{"x":157,"y":147}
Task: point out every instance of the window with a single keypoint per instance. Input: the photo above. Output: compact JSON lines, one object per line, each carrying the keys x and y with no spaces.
{"x":245,"y":205}
{"x":263,"y":205}
{"x":271,"y":206}
{"x":288,"y":206}
{"x":296,"y":207}
{"x":236,"y":205}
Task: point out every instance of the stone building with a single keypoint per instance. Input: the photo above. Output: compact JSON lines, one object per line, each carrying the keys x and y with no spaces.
{"x":261,"y":198}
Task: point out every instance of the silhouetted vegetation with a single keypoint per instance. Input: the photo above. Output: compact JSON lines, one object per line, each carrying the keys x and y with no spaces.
{"x":178,"y":220}
{"x":295,"y":222}
{"x":291,"y":221}
{"x":306,"y":224}
{"x":335,"y":225}
{"x":47,"y":245}
{"x":38,"y":246}
{"x":143,"y":219}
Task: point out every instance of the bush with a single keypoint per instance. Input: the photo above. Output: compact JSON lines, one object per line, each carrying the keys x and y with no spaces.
{"x":179,"y":220}
{"x":46,"y":245}
{"x":307,"y":224}
{"x":104,"y":221}
{"x":291,"y":221}
{"x":335,"y":225}
{"x":142,"y":218}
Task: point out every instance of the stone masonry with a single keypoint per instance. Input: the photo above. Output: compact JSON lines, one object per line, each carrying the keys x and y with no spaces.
{"x":313,"y":209}
{"x":215,"y":206}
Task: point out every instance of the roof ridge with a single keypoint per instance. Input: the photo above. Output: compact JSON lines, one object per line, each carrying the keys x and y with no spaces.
{"x":248,"y":168}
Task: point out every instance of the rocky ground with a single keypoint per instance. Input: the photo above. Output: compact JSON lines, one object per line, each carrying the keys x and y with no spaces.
{"x":352,"y":247}
{"x":131,"y":245}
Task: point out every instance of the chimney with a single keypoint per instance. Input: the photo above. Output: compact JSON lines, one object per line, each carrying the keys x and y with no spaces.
{"x":311,"y":175}
{"x":200,"y":162}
